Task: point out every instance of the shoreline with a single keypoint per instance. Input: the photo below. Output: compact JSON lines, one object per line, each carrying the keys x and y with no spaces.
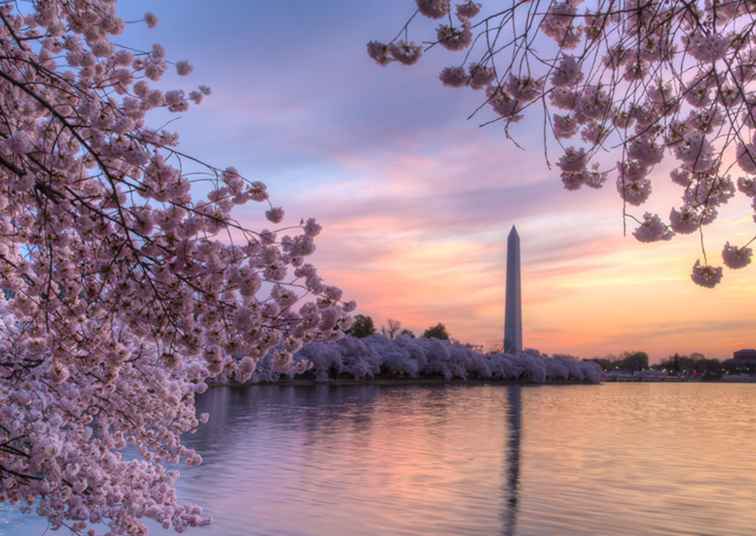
{"x":390,"y":382}
{"x":659,"y":380}
{"x":338,"y":382}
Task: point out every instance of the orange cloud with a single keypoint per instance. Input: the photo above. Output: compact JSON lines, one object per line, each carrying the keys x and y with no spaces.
{"x":407,"y":252}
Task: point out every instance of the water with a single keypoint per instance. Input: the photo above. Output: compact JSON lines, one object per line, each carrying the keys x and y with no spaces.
{"x":619,"y":459}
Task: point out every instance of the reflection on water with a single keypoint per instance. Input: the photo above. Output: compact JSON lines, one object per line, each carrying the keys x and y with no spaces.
{"x":623,"y":459}
{"x":512,"y":490}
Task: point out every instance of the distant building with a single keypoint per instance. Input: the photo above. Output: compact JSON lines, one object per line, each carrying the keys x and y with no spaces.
{"x":749,"y":354}
{"x":742,"y":361}
{"x":744,"y":357}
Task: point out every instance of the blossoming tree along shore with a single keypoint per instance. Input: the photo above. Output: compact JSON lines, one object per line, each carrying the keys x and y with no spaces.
{"x":619,"y":84}
{"x":404,"y":357}
{"x":126,"y":292}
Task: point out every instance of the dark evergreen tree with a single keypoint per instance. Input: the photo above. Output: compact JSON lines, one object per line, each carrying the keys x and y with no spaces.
{"x":362,"y":327}
{"x":436,"y":332}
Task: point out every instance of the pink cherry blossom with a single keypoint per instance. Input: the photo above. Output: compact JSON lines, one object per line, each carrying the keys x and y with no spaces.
{"x":747,"y":185}
{"x":681,"y":176}
{"x":735,"y":257}
{"x":405,"y":52}
{"x":183,"y":68}
{"x":453,"y":76}
{"x":275,"y":215}
{"x":565,"y":126}
{"x":684,"y":221}
{"x":746,"y":156}
{"x":645,"y":151}
{"x":150,"y":19}
{"x":636,"y":191}
{"x":467,"y":10}
{"x":524,"y":88}
{"x":480,"y":75}
{"x":312,"y":228}
{"x":379,"y":52}
{"x":573,"y":160}
{"x":128,"y":290}
{"x":652,"y":229}
{"x":705,"y":275}
{"x":434,"y":9}
{"x":503,"y":103}
{"x":567,"y":72}
{"x":594,"y":133}
{"x":707,"y":47}
{"x":647,"y":82}
{"x":593,"y":177}
{"x":563,"y":98}
{"x":454,"y":38}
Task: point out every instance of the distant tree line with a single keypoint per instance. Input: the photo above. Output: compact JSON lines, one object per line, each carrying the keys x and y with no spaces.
{"x":629,"y":361}
{"x":633,"y":361}
{"x":363,"y":326}
{"x":695,"y":363}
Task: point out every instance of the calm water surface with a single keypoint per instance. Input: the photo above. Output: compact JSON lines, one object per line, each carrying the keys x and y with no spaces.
{"x":617,"y":459}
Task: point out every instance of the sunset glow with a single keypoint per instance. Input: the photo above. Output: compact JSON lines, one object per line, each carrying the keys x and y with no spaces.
{"x":416,"y":202}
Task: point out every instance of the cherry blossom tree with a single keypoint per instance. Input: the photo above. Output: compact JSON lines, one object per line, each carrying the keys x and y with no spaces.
{"x":619,"y":84}
{"x":127,"y":291}
{"x":404,"y":356}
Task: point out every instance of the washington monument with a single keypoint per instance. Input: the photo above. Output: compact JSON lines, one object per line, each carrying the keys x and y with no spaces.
{"x":513,"y":312}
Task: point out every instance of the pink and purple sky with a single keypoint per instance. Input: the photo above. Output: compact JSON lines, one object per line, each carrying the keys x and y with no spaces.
{"x":416,"y":202}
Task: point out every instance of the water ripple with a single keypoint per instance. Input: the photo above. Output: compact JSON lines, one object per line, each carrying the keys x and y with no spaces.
{"x":624,"y":459}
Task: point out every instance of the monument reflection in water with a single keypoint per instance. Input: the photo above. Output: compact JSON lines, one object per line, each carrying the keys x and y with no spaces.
{"x":512,"y":489}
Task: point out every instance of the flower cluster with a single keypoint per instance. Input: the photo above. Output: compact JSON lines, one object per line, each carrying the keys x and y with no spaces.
{"x":126,"y":292}
{"x":706,"y":275}
{"x":735,"y":257}
{"x":652,"y":229}
{"x":652,"y":79}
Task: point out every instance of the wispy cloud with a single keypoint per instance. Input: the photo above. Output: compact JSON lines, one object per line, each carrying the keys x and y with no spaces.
{"x":416,"y":202}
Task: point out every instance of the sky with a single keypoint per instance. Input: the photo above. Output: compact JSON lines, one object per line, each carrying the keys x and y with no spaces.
{"x":416,"y":201}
